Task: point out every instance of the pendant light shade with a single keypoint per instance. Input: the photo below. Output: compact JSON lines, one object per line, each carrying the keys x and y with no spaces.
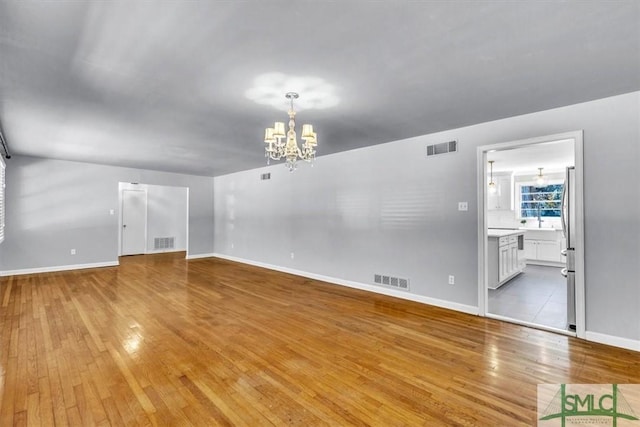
{"x":492,"y":185}
{"x":540,"y":179}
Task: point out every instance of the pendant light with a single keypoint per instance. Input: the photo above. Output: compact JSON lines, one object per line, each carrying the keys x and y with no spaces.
{"x":492,"y":185}
{"x":540,"y":179}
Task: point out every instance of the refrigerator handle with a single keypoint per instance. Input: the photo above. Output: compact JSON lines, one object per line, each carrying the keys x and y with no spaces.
{"x":563,"y":208}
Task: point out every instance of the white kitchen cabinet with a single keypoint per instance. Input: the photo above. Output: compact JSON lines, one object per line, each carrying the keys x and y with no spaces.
{"x":513,"y":256}
{"x":504,"y":260}
{"x":504,"y":263}
{"x":543,"y":247}
{"x":530,"y":249}
{"x":501,"y":199}
{"x":549,"y":251}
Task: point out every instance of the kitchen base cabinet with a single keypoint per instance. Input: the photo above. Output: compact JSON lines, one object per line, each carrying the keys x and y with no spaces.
{"x":504,"y":260}
{"x":543,"y":247}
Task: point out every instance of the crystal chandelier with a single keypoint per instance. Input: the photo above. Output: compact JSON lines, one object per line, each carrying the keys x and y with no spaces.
{"x":276,"y":148}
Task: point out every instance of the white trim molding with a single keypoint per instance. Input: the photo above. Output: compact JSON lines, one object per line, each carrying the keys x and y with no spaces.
{"x":58,"y":268}
{"x":357,"y":285}
{"x":481,"y":164}
{"x":613,"y":340}
{"x":198,"y":256}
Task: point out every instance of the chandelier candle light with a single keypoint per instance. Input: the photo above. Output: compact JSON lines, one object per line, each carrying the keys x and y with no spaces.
{"x":276,"y":148}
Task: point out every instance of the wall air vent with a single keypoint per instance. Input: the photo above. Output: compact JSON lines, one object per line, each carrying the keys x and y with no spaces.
{"x":163,"y":243}
{"x":391,"y":281}
{"x":265,"y":176}
{"x":442,"y":148}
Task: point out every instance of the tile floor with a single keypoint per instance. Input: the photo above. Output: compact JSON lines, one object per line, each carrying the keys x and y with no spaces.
{"x":538,"y":295}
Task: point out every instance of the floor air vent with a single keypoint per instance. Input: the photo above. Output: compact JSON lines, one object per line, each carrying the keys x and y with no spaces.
{"x":163,"y":242}
{"x":394,"y":282}
{"x":442,"y":148}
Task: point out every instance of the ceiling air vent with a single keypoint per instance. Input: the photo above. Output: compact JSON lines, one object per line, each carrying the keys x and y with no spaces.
{"x":442,"y":148}
{"x":265,"y":176}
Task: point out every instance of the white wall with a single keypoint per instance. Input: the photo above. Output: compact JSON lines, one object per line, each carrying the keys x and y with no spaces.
{"x":389,"y":209}
{"x":166,"y":213}
{"x":55,"y":205}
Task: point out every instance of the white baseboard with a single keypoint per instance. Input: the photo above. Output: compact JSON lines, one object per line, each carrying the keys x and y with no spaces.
{"x":469,"y":309}
{"x":163,"y":251}
{"x":58,"y":268}
{"x":613,"y":340}
{"x":196,"y":256}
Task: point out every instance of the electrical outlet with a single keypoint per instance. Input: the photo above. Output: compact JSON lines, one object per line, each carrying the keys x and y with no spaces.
{"x":293,"y":255}
{"x":452,"y":279}
{"x":73,"y":251}
{"x":232,"y":246}
{"x":463,"y":206}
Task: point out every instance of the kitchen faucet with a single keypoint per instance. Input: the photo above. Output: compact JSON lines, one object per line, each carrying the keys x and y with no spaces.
{"x":540,"y":220}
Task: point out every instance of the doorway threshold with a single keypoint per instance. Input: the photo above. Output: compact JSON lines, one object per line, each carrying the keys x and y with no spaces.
{"x":532,"y":325}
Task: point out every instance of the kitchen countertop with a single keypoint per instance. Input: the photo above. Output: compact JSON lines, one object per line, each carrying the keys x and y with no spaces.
{"x":499,"y":232}
{"x":540,"y":229}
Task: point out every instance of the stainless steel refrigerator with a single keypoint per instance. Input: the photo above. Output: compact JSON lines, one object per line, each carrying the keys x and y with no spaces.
{"x":568,"y":219}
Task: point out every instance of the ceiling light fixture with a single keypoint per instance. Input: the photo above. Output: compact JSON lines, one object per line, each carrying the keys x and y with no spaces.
{"x":276,"y":148}
{"x":492,"y":185}
{"x":540,"y":179}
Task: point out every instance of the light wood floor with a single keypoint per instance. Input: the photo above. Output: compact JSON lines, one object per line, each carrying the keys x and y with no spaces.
{"x":164,"y":341}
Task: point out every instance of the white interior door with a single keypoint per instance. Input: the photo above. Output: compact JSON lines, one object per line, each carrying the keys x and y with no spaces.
{"x":134,"y":222}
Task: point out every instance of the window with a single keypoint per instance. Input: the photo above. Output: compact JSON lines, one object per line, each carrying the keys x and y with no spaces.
{"x":544,"y":201}
{"x":2,"y":175}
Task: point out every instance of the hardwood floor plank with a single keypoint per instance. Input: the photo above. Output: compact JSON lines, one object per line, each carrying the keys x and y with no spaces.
{"x":135,"y":387}
{"x":7,"y":291}
{"x":113,"y":414}
{"x":73,"y":415}
{"x":7,"y":408}
{"x":161,"y":340}
{"x":57,"y":395}
{"x":45,"y":402}
{"x":89,"y":325}
{"x":33,"y":410}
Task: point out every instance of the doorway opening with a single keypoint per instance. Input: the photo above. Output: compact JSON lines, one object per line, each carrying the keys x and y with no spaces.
{"x":153,"y":219}
{"x":530,"y":232}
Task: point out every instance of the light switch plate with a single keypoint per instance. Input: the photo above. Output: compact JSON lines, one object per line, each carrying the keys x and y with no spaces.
{"x":463,"y":206}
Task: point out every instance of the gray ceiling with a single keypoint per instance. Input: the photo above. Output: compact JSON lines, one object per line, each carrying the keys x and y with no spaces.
{"x":172,"y":85}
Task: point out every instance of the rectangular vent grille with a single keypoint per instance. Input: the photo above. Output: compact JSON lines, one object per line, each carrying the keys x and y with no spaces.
{"x":394,"y":282}
{"x":442,"y":148}
{"x":163,"y":242}
{"x":265,"y":176}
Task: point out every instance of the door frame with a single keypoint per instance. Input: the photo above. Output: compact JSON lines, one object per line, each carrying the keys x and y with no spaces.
{"x":120,"y":217}
{"x":144,"y":187}
{"x":482,"y":171}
